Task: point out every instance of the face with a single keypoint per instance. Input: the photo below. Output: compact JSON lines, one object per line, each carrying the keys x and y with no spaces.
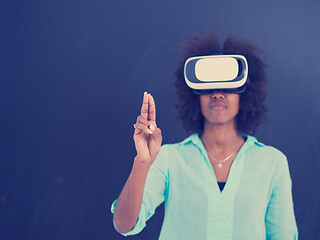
{"x":219,"y":107}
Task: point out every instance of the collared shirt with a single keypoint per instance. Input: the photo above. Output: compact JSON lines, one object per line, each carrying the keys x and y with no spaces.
{"x":255,"y":204}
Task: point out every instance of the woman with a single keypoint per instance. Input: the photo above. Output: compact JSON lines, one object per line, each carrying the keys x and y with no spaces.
{"x":220,"y":183}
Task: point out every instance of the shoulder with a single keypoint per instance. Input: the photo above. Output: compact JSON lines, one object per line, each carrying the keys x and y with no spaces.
{"x":272,"y":153}
{"x":266,"y":153}
{"x":177,"y":152}
{"x":275,"y":162}
{"x":167,"y":152}
{"x":268,"y":160}
{"x":189,"y":142}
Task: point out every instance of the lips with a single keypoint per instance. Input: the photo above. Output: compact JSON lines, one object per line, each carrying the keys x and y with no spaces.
{"x":217,"y":105}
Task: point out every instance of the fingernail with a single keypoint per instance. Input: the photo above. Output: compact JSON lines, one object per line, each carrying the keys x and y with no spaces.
{"x":149,"y":131}
{"x":152,"y":127}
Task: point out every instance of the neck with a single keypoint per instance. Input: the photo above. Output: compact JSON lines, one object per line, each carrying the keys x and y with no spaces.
{"x":221,"y":138}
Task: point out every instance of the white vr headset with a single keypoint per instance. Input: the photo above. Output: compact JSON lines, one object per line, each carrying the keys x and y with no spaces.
{"x":227,"y":73}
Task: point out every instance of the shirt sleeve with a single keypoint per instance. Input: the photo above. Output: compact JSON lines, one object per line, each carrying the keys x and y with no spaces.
{"x":280,"y":219}
{"x":154,"y":191}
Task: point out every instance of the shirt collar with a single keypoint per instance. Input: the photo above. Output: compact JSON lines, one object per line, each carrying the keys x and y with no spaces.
{"x":194,"y":138}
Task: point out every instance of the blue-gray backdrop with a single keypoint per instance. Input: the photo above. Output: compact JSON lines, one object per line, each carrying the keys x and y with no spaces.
{"x":71,"y":84}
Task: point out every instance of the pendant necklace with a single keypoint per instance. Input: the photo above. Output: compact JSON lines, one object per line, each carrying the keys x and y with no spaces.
{"x":220,"y":162}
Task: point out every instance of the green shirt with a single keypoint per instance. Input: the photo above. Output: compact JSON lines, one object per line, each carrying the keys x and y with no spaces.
{"x":255,"y":204}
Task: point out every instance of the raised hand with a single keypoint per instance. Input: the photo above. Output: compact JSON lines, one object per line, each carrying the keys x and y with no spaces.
{"x":147,"y":136}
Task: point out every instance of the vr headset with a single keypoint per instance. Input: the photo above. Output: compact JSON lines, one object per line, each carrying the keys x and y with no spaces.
{"x":227,"y":73}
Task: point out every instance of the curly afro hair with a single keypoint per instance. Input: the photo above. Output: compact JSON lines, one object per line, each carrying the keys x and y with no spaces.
{"x":252,"y":109}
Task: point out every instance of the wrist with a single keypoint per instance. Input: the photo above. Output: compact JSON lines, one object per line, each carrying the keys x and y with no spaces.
{"x":142,"y":162}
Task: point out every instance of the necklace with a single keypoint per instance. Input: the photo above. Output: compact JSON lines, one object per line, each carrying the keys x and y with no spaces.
{"x":220,"y":162}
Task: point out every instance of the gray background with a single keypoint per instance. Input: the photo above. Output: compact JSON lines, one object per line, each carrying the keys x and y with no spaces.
{"x":72,"y":78}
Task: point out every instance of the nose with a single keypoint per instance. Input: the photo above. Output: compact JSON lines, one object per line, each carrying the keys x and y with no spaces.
{"x":217,"y":94}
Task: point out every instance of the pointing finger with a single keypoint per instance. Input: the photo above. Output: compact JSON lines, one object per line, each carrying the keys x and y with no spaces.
{"x":145,"y":106}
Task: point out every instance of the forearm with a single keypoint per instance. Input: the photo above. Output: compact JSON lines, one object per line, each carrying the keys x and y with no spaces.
{"x":130,"y":200}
